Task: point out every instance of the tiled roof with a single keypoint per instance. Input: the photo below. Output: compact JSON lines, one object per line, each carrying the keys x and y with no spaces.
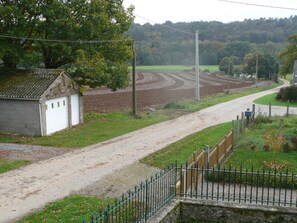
{"x":30,"y":84}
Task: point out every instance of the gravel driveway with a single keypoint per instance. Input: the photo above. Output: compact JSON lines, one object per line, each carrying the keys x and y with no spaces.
{"x":32,"y":187}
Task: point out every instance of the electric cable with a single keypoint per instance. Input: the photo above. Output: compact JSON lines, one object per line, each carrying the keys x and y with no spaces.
{"x":258,"y":5}
{"x":62,"y":41}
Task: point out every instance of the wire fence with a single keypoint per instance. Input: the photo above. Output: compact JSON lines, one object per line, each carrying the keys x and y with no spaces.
{"x":247,"y":118}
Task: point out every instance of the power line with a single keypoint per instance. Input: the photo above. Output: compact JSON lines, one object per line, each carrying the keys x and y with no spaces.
{"x":63,"y":41}
{"x":258,"y":5}
{"x":168,"y":27}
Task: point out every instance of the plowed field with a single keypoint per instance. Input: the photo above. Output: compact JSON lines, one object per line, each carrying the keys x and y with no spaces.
{"x":155,"y":89}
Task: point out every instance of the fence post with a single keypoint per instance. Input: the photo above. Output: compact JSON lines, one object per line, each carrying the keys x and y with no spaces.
{"x":242,"y":123}
{"x":217,"y":153}
{"x":175,"y":179}
{"x":146,"y":201}
{"x":254,"y":111}
{"x":288,"y":105}
{"x":226,"y":145}
{"x":269,"y":109}
{"x":237,"y":128}
{"x":207,"y":155}
{"x":194,"y":158}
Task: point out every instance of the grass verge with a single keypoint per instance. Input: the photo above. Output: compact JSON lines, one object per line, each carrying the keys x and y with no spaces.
{"x":97,"y":128}
{"x":183,"y":149}
{"x":193,"y":105}
{"x":72,"y":209}
{"x":7,"y":165}
{"x":271,"y":98}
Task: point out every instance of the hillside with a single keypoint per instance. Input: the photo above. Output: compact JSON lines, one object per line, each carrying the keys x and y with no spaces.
{"x":167,"y":44}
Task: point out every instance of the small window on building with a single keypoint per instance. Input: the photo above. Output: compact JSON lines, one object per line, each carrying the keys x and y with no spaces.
{"x":58,"y":104}
{"x":64,"y":103}
{"x":52,"y":105}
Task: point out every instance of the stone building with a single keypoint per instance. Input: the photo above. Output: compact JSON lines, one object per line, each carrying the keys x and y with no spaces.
{"x":39,"y":102}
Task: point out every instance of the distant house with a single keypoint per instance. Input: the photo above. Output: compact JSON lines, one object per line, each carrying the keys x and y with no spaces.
{"x":39,"y":102}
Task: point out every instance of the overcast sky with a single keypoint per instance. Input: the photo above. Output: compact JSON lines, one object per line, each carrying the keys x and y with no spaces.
{"x":208,"y":10}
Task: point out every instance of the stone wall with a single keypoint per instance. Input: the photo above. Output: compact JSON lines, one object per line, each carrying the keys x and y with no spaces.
{"x":20,"y":117}
{"x":188,"y":210}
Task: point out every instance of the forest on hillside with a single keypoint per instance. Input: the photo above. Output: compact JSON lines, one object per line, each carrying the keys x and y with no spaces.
{"x":166,"y":44}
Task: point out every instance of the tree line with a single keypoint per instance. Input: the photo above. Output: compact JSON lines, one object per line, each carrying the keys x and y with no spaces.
{"x":163,"y":44}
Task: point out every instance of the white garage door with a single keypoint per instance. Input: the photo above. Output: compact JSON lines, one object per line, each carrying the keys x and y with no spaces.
{"x":56,"y":115}
{"x":74,"y":109}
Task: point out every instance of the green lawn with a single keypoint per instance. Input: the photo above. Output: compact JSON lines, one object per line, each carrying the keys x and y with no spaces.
{"x":183,"y":149}
{"x":97,"y":128}
{"x":177,"y":68}
{"x":72,"y":209}
{"x":7,"y":165}
{"x":250,"y":149}
{"x":271,"y":98}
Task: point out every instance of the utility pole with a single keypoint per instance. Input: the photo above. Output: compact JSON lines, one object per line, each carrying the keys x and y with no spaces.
{"x":197,"y":86}
{"x":257,"y":63}
{"x":229,"y":68}
{"x":134,"y":82}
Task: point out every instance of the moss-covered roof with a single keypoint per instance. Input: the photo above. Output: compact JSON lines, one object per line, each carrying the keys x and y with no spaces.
{"x":29,"y":84}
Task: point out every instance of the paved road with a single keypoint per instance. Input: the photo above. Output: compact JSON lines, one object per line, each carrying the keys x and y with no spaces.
{"x":31,"y":187}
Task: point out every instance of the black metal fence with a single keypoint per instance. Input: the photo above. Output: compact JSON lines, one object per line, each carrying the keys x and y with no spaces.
{"x":196,"y":182}
{"x":239,"y":185}
{"x":144,"y":201}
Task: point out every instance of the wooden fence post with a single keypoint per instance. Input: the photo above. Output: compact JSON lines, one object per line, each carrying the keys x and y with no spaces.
{"x":207,"y":156}
{"x":237,"y":128}
{"x":218,"y":153}
{"x":269,"y":109}
{"x":242,"y":123}
{"x":288,"y":105}
{"x":226,"y":145}
{"x":254,"y":111}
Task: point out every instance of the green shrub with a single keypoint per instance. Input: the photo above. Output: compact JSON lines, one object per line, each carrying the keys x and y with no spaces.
{"x":175,"y":105}
{"x":287,"y":93}
{"x":294,"y":142}
{"x":286,"y":147}
{"x":262,"y":119}
{"x":256,"y":178}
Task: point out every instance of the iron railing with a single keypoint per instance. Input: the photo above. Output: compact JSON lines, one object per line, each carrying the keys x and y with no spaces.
{"x":144,"y":201}
{"x":240,"y":185}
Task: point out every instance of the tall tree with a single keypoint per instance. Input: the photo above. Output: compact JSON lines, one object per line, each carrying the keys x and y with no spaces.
{"x":73,"y":34}
{"x":227,"y":65}
{"x":17,"y":18}
{"x":238,"y":49}
{"x":268,"y":66}
{"x":288,"y":56}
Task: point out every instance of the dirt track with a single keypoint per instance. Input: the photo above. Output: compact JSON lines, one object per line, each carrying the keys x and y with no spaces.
{"x":154,"y":89}
{"x":31,"y":187}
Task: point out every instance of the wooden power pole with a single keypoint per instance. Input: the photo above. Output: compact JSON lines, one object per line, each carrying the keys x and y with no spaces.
{"x":134,"y":106}
{"x":197,"y":87}
{"x":257,"y":64}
